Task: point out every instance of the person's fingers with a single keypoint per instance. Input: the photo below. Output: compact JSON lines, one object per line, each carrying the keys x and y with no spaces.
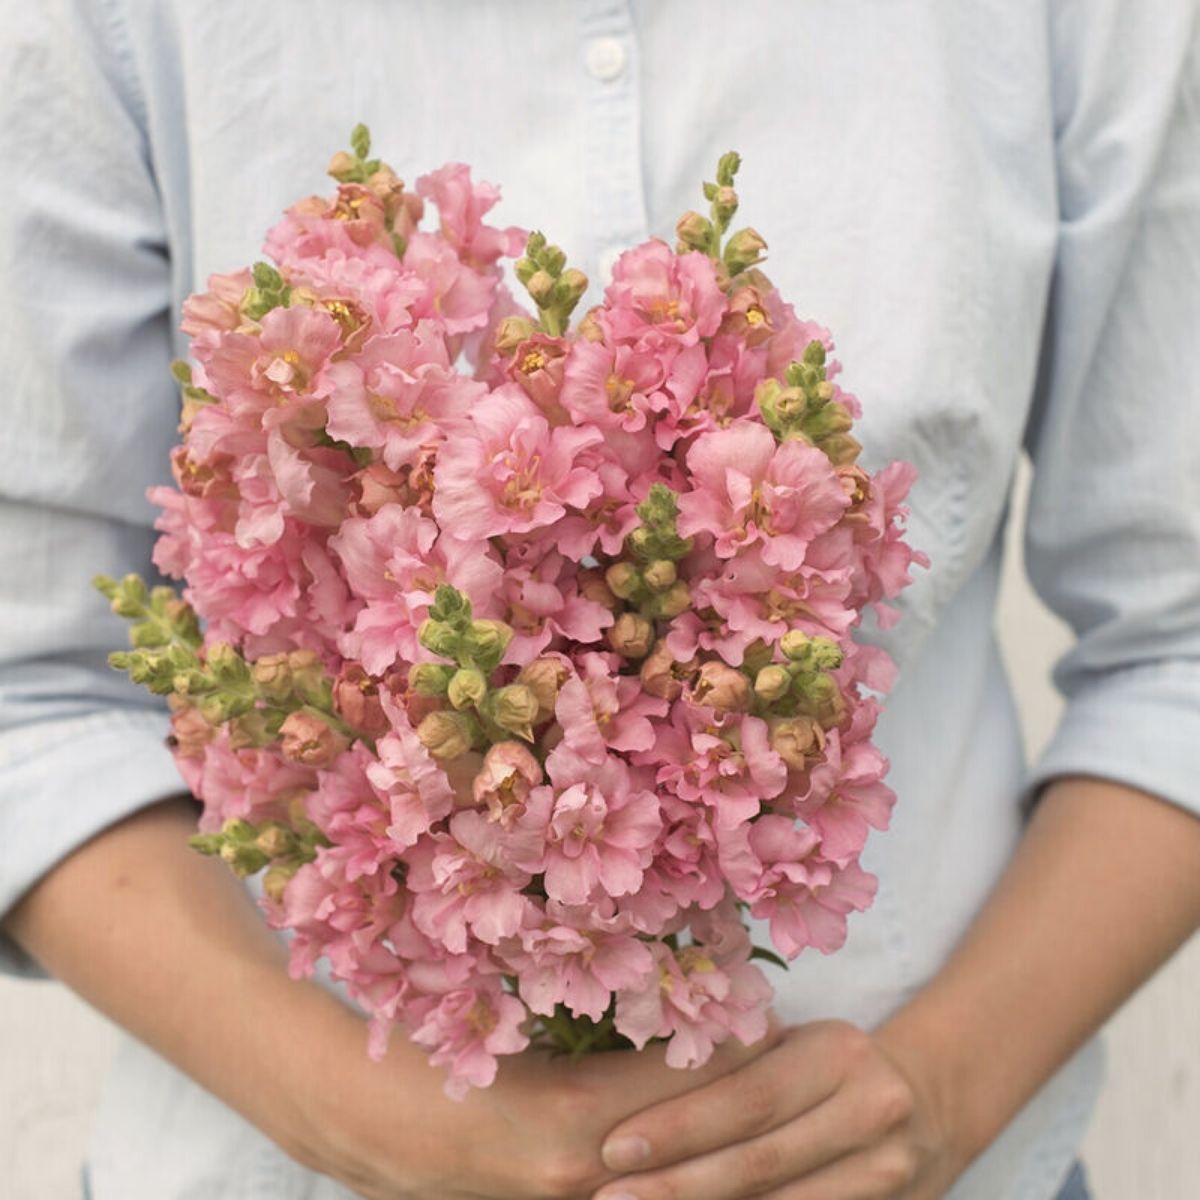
{"x":800,"y":1071}
{"x":885,"y":1172}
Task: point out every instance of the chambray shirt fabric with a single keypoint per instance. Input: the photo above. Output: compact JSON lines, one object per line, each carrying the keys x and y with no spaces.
{"x":994,"y":206}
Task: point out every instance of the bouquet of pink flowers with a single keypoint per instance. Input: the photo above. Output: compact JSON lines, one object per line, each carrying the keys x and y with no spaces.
{"x":527,"y":667}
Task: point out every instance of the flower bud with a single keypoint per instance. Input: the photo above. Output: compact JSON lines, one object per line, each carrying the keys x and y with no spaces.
{"x":660,"y":574}
{"x":795,"y":644}
{"x":544,"y":677}
{"x":276,"y":879}
{"x":446,"y":734}
{"x":571,"y":286}
{"x":675,"y":600}
{"x":515,"y":709}
{"x":694,"y":232}
{"x":772,"y":683}
{"x":190,"y":731}
{"x":430,"y":679}
{"x":275,"y":840}
{"x":467,"y":688}
{"x":250,"y":731}
{"x":743,"y":250}
{"x":273,"y":676}
{"x":663,"y":675}
{"x":722,"y":687}
{"x":540,"y":286}
{"x":631,"y":636}
{"x":308,"y":672}
{"x":485,"y":641}
{"x":799,"y":741}
{"x":310,"y":740}
{"x":511,"y":332}
{"x":623,"y":580}
{"x":439,"y":638}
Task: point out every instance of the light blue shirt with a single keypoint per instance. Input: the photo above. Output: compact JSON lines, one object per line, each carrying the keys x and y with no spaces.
{"x":996,"y":208}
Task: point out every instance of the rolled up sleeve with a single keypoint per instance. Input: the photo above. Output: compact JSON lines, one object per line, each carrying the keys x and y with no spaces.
{"x":87,"y":416}
{"x":1113,"y":534}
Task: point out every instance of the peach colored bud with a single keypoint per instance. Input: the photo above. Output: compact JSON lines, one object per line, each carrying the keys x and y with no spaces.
{"x":675,"y":600}
{"x":544,"y":677}
{"x":622,"y":580}
{"x":631,"y":636}
{"x":660,"y":575}
{"x":858,"y":487}
{"x":537,"y":364}
{"x":663,"y":675}
{"x":275,"y":881}
{"x":511,"y":332}
{"x":275,"y":841}
{"x":722,"y":687}
{"x":190,"y":732}
{"x":310,"y":740}
{"x":799,"y":741}
{"x":772,"y":683}
{"x":273,"y":676}
{"x":445,"y":734}
{"x":589,"y":327}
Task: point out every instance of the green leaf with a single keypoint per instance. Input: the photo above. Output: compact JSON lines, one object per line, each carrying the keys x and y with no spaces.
{"x":769,"y":956}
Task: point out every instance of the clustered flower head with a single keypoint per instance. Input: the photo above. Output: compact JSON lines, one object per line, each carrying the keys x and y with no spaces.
{"x":519,"y":656}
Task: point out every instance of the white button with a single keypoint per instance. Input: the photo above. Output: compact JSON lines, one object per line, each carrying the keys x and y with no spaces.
{"x":608,"y":260}
{"x":605,"y":58}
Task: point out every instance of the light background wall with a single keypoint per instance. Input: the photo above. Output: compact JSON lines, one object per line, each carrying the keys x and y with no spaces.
{"x":1144,"y":1143}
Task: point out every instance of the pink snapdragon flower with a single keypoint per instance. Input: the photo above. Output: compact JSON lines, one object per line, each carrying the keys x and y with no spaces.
{"x":657,"y":292}
{"x":400,"y":395}
{"x":461,"y":205}
{"x":578,"y":956}
{"x":512,"y":473}
{"x":599,"y":827}
{"x":467,"y":880}
{"x":704,"y":993}
{"x":805,"y":897}
{"x":466,"y":1029}
{"x":747,"y":491}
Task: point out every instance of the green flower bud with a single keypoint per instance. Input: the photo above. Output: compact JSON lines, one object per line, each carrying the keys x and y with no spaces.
{"x":148,"y":635}
{"x":430,"y":679}
{"x":467,"y":688}
{"x":515,"y":708}
{"x":744,"y":249}
{"x":484,"y":643}
{"x":439,"y":638}
{"x":826,"y":654}
{"x":511,"y":332}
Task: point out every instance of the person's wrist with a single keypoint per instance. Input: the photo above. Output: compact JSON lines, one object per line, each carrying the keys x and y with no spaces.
{"x":928,"y":1055}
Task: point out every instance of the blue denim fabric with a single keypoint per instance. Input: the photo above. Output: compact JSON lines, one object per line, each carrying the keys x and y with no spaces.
{"x":1076,"y":1187}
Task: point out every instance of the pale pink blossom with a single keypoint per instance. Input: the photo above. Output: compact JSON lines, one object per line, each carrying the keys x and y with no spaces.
{"x":511,"y":473}
{"x":749,"y":491}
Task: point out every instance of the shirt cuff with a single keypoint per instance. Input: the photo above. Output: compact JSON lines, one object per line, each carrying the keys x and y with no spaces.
{"x":1139,"y":726}
{"x":64,"y":781}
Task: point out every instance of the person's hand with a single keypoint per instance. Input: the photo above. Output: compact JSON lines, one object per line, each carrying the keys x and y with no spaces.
{"x":388,"y":1132}
{"x":827,"y":1113}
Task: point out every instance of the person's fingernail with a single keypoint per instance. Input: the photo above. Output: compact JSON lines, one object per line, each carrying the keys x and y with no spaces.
{"x":623,"y":1154}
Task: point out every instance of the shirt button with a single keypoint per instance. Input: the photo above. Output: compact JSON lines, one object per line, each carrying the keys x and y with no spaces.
{"x":605,"y":58}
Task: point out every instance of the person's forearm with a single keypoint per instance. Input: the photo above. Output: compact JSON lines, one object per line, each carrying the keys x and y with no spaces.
{"x":1104,"y":887}
{"x":169,"y":945}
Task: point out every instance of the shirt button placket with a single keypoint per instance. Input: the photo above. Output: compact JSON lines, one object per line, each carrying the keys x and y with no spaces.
{"x":616,"y":205}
